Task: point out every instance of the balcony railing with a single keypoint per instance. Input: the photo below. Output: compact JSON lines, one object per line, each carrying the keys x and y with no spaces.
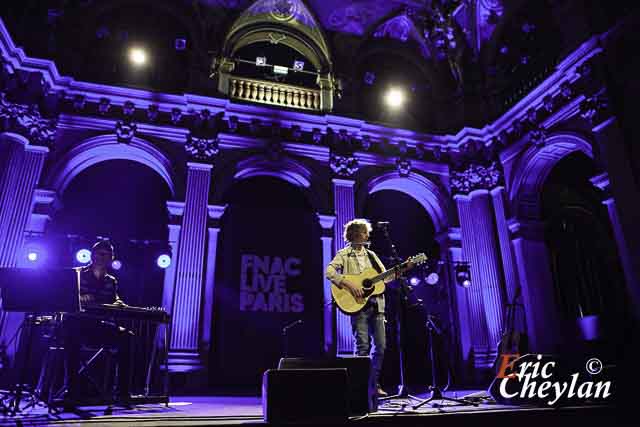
{"x":278,"y":94}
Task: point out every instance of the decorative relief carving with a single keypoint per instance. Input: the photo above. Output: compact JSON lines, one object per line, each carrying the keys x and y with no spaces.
{"x":343,"y":165}
{"x":403,"y":166}
{"x":476,"y":177}
{"x":592,"y":109}
{"x":202,"y":149}
{"x":125,"y":130}
{"x":27,"y":121}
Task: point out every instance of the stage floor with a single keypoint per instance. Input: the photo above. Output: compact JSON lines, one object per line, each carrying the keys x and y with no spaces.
{"x":234,"y":410}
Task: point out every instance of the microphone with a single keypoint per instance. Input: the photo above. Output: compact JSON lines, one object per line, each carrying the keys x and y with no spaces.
{"x":291,"y":325}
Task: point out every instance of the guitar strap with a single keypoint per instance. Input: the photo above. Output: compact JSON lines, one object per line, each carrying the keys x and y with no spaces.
{"x":376,"y":266}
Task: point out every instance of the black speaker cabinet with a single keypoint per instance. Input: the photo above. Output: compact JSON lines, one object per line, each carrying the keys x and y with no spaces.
{"x":295,"y":395}
{"x":361,"y":390}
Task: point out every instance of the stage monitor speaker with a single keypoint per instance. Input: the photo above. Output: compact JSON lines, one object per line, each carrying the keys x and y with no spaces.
{"x":361,"y":390}
{"x":295,"y":395}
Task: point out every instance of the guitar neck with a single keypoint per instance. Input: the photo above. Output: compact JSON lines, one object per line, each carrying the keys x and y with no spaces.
{"x":387,"y":273}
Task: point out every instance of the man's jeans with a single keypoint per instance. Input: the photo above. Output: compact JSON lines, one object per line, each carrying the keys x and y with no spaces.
{"x":364,"y":324}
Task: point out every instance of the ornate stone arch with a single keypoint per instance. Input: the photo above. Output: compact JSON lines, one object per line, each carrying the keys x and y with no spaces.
{"x":533,"y":167}
{"x":285,"y":168}
{"x":424,"y":191}
{"x":292,"y":24}
{"x":107,"y":147}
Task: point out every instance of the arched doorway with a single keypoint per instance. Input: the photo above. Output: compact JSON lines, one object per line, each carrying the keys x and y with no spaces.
{"x":587,"y":277}
{"x":269,"y":275}
{"x":411,"y":230}
{"x":124,"y":201}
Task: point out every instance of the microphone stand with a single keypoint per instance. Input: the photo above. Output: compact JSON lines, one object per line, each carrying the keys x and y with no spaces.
{"x":285,"y":343}
{"x":401,"y":316}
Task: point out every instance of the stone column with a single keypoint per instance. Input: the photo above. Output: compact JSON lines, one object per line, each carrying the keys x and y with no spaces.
{"x":344,"y":205}
{"x":215,"y":213}
{"x":602,"y":182}
{"x":473,"y":295}
{"x":23,"y":166}
{"x":534,"y":275}
{"x":481,"y":247}
{"x":327,"y":222}
{"x":176,"y":210}
{"x":187,"y":295}
{"x":506,"y":251}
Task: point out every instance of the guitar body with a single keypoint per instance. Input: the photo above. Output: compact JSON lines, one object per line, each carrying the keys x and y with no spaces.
{"x":349,"y":304}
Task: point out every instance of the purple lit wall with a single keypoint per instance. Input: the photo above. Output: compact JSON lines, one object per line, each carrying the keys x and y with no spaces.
{"x":338,"y":162}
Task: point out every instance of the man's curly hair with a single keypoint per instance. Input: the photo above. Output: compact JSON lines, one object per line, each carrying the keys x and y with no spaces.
{"x":354,"y":225}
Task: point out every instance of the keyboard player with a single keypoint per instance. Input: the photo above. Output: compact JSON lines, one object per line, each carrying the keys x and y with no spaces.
{"x":97,"y":286}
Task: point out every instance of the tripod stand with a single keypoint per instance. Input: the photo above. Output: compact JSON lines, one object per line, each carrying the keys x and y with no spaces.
{"x":21,"y":390}
{"x":436,"y":393}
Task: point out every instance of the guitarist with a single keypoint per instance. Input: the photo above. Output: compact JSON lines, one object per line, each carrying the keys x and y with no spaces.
{"x":369,"y":322}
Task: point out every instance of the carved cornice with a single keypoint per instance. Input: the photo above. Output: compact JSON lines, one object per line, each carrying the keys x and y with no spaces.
{"x":475,"y":177}
{"x":27,"y":121}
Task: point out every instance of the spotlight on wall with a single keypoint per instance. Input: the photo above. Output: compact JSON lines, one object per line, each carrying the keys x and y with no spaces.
{"x":83,"y":256}
{"x":163,"y":261}
{"x":394,"y":98}
{"x":414,"y":281}
{"x":34,"y":254}
{"x":463,"y":274}
{"x":138,"y":56}
{"x":116,"y":264}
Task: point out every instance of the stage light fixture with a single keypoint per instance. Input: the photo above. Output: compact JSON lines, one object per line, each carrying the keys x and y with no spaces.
{"x":163,"y":261}
{"x":432,"y":278}
{"x":116,"y":264}
{"x":34,"y":254}
{"x":463,"y":275}
{"x":83,"y":256}
{"x":138,"y":56}
{"x":394,"y":98}
{"x":414,"y":281}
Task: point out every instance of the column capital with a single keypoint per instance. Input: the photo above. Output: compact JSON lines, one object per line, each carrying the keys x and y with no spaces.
{"x":216,"y":211}
{"x":36,"y":149}
{"x":341,"y":182}
{"x":175,"y":208}
{"x":326,"y":221}
{"x":200,"y":166}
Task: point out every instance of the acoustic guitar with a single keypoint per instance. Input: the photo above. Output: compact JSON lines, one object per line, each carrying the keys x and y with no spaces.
{"x":371,"y":282}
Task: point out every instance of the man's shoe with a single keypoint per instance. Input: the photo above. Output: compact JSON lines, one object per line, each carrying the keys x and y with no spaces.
{"x":380,"y":392}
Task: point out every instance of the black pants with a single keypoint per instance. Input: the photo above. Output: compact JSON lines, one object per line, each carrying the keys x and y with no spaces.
{"x":79,"y":331}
